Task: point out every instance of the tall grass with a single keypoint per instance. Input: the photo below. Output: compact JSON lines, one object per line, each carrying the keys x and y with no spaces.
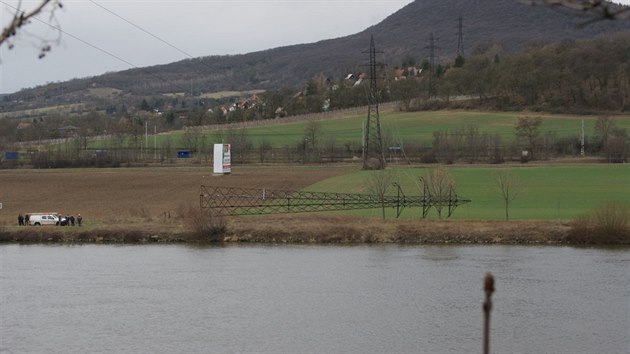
{"x":607,"y":223}
{"x":203,"y":226}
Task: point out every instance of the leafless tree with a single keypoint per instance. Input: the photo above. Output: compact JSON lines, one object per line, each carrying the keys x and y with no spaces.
{"x":379,"y":184}
{"x":21,"y":18}
{"x":508,"y":187}
{"x":439,"y":186}
{"x":264,"y":146}
{"x":527,"y":132}
{"x":603,"y":127}
{"x":313,"y":133}
{"x":239,"y":142}
{"x":192,"y":137}
{"x":599,"y":9}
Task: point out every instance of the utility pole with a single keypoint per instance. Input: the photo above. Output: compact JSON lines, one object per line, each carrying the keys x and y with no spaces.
{"x":582,"y":150}
{"x":146,"y":136}
{"x":373,"y":158}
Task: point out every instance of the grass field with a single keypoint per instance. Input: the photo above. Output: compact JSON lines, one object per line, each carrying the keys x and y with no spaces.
{"x":418,"y":127}
{"x":407,"y":127}
{"x":546,"y":192}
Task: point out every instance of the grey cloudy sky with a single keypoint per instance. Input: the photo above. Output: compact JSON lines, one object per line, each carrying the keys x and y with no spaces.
{"x":196,"y":27}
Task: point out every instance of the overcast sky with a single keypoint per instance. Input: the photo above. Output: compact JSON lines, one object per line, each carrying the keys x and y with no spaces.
{"x":193,"y":27}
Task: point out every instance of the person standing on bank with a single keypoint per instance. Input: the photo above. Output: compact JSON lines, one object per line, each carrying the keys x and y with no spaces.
{"x":20,"y":220}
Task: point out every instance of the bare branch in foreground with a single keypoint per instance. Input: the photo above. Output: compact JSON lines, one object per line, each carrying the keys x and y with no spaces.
{"x":600,"y":9}
{"x":22,"y":18}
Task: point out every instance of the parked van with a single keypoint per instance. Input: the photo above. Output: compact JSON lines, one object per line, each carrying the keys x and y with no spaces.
{"x":39,"y":219}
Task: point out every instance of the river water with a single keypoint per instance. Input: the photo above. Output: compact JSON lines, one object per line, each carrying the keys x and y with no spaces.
{"x":311,"y":299}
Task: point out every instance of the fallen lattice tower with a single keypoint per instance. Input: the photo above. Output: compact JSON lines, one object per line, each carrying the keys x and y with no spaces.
{"x":254,"y":201}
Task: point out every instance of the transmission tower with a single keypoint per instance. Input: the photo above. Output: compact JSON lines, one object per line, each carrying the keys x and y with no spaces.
{"x":253,"y":201}
{"x":432,"y":89}
{"x":373,"y":157}
{"x":460,"y":38}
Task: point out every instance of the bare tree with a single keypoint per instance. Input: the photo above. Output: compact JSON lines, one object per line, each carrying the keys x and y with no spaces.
{"x":600,"y":9}
{"x":603,"y":127}
{"x":192,"y":137}
{"x":508,"y":187}
{"x":21,"y":18}
{"x":527,"y":131}
{"x":439,"y":187}
{"x":313,"y":132}
{"x":379,"y":183}
{"x":239,"y":142}
{"x":264,"y":146}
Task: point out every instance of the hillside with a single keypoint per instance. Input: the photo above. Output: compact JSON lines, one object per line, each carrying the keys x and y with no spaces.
{"x":401,"y":36}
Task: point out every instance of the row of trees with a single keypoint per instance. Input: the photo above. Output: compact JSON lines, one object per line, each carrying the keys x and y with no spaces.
{"x":128,"y":144}
{"x":438,"y":188}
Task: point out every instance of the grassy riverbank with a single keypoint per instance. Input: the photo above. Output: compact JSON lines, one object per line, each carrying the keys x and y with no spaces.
{"x":314,"y":229}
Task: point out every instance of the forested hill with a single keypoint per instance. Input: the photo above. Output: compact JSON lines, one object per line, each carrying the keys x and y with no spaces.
{"x":402,"y":36}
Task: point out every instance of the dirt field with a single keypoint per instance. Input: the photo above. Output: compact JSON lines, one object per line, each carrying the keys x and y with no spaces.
{"x":123,"y":194}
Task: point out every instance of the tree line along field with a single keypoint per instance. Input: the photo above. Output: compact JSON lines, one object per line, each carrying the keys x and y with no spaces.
{"x":544,"y":191}
{"x":398,"y":127}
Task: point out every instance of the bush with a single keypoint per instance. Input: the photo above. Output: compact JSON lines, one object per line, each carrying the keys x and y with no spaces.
{"x":204,"y":226}
{"x":607,"y":223}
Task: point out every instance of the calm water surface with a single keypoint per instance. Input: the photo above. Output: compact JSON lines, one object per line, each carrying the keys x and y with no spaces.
{"x":311,"y":299}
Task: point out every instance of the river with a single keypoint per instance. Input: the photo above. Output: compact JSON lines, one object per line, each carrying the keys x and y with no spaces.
{"x":311,"y":299}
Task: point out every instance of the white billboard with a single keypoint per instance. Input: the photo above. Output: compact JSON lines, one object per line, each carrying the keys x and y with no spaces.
{"x":222,"y":161}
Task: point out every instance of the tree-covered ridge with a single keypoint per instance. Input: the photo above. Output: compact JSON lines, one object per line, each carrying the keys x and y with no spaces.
{"x":586,"y":75}
{"x":404,"y":35}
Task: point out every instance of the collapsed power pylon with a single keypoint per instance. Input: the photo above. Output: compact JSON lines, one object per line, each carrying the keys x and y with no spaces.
{"x":227,"y":201}
{"x":373,"y":155}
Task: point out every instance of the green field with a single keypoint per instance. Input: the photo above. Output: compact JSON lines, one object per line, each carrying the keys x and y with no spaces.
{"x":404,"y":127}
{"x":418,"y":127}
{"x":547,"y":192}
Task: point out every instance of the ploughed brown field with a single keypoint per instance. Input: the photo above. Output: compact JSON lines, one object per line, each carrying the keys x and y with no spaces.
{"x":122,"y":195}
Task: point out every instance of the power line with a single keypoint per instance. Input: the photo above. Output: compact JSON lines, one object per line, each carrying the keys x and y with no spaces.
{"x":159,"y":39}
{"x":101,"y":50}
{"x":140,"y":28}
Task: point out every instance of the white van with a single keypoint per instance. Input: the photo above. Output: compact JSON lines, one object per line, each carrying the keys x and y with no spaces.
{"x":38,"y":219}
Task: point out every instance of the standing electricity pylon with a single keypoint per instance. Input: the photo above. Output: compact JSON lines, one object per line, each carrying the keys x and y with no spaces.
{"x":460,"y":38}
{"x":373,"y":157}
{"x":432,"y":78}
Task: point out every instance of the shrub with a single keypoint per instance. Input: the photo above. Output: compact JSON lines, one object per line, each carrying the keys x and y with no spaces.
{"x":204,"y":226}
{"x":607,"y":223}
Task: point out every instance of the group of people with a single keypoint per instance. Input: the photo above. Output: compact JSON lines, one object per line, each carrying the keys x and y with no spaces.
{"x":23,"y":220}
{"x":70,"y":219}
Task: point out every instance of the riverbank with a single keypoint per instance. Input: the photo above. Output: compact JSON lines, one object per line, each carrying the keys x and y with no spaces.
{"x":313,"y":229}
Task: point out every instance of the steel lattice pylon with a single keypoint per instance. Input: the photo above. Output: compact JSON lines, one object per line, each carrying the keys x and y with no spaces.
{"x":373,"y":157}
{"x":249,"y":201}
